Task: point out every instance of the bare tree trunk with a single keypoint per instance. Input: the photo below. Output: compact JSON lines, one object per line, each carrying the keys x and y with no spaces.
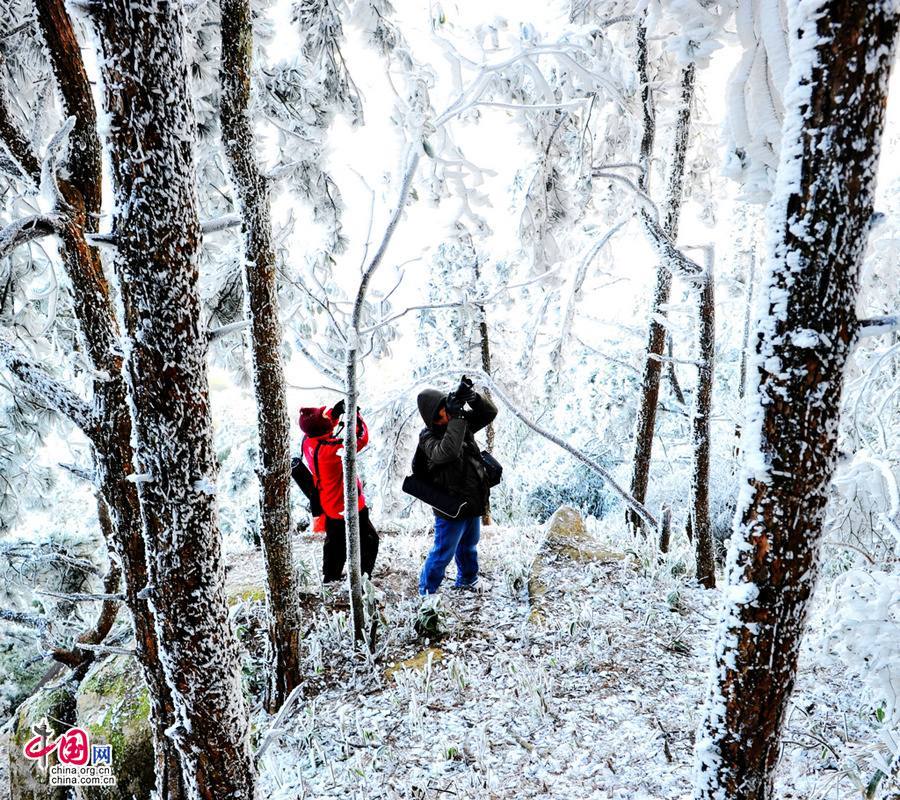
{"x":745,"y":343}
{"x":674,"y":385}
{"x":261,"y":300}
{"x":665,"y":529}
{"x":656,"y":337}
{"x":351,"y":493}
{"x":486,"y":366}
{"x":819,"y":220}
{"x":99,"y":329}
{"x":701,"y":411}
{"x":157,"y":236}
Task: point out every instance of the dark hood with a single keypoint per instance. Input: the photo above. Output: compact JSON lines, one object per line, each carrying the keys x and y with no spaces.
{"x":429,"y":402}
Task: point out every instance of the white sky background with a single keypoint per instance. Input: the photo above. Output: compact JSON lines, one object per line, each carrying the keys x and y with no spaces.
{"x":372,"y":153}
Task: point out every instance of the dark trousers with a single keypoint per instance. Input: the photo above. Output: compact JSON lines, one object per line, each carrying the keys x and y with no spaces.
{"x":334,"y":551}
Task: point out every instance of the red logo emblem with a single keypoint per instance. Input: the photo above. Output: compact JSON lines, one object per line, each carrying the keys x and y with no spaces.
{"x":73,"y":747}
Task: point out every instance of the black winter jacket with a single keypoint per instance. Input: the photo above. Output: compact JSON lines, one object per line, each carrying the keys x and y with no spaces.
{"x":452,"y":457}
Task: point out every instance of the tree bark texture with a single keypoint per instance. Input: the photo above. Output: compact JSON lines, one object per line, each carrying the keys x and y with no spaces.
{"x":113,"y":454}
{"x":656,"y":335}
{"x":261,"y":304}
{"x":701,"y":413}
{"x":486,"y":366}
{"x":151,"y":144}
{"x":842,"y":52}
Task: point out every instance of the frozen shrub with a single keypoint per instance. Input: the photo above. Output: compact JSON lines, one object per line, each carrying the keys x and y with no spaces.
{"x":578,"y":486}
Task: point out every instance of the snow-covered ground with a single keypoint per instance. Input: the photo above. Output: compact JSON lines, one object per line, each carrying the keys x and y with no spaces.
{"x":587,"y":685}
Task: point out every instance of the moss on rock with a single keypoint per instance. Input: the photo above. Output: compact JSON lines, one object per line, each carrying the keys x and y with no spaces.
{"x":27,"y":779}
{"x":114,"y":705}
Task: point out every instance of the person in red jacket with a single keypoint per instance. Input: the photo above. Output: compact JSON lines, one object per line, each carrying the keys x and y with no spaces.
{"x":321,"y":452}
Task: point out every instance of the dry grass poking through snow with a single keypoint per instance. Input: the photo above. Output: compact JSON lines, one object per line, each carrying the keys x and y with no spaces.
{"x":597,"y":696}
{"x":596,"y":699}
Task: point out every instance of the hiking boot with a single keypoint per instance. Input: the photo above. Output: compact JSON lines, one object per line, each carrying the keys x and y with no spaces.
{"x":480,"y":585}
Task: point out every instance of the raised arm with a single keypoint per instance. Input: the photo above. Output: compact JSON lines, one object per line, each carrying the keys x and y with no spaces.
{"x":362,"y":433}
{"x":448,"y":447}
{"x":482,"y":414}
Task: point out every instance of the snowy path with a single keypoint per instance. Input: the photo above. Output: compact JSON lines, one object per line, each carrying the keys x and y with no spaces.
{"x":599,"y":700}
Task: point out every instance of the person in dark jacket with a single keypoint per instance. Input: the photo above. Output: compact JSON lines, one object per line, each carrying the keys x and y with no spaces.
{"x":321,"y":451}
{"x":452,"y":461}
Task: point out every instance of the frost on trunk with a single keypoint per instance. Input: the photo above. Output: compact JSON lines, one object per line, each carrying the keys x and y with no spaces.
{"x":485,"y":348}
{"x":351,"y":364}
{"x":701,"y":413}
{"x":656,"y":336}
{"x":150,"y":140}
{"x":818,"y":220}
{"x":261,"y":303}
{"x":110,"y":432}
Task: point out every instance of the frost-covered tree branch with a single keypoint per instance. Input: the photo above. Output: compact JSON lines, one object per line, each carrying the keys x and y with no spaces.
{"x":25,"y":160}
{"x":48,"y":389}
{"x":877,"y":326}
{"x":28,"y":229}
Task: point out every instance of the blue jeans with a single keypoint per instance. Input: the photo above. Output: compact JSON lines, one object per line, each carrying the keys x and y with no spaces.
{"x":452,"y":537}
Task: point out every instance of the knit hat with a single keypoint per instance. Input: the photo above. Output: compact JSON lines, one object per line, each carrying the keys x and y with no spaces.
{"x":313,"y":422}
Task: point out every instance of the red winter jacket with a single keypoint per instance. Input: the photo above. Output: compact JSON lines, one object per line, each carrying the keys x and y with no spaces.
{"x":323,"y":458}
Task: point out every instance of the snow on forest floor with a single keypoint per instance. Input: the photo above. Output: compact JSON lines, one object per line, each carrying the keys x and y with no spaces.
{"x":595,"y":695}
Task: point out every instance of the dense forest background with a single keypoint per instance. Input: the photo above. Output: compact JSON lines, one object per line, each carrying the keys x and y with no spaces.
{"x":658,"y":234}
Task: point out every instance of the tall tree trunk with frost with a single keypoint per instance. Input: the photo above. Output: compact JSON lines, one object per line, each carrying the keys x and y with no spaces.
{"x":261,"y":303}
{"x":701,"y":413}
{"x":486,"y":366}
{"x":351,"y":492}
{"x":157,"y":235}
{"x":842,"y":52}
{"x":656,"y":336}
{"x":81,"y":191}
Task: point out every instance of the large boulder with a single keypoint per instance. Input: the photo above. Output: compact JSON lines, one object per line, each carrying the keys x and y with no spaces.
{"x":567,"y":538}
{"x":55,"y":706}
{"x":114,"y":705}
{"x":566,"y":526}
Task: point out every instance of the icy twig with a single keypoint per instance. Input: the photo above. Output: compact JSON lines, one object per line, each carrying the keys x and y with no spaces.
{"x":225,"y":330}
{"x":106,"y":649}
{"x":83,"y":597}
{"x":276,"y":727}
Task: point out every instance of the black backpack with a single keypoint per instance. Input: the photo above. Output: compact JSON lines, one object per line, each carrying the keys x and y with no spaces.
{"x":304,"y":479}
{"x":419,"y":486}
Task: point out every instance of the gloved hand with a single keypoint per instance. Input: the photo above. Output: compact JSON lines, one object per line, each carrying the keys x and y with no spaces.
{"x":338,"y":410}
{"x":465,"y":391}
{"x":455,"y":405}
